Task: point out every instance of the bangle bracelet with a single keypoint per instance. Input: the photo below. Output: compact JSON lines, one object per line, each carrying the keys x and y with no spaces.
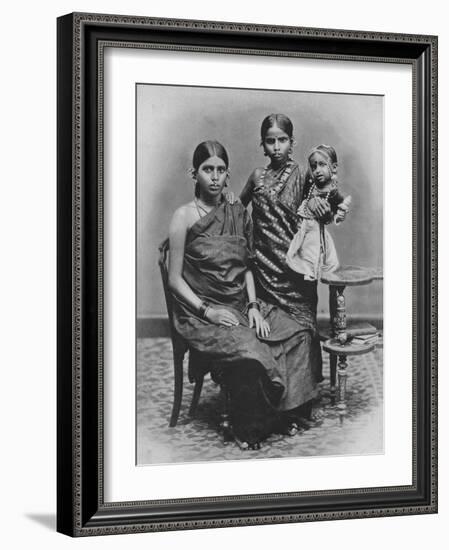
{"x":206,"y":312}
{"x":254,"y":305}
{"x":202,"y":309}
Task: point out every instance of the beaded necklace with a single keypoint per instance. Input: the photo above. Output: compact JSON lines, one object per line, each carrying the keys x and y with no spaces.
{"x":304,"y":210}
{"x":312,"y":189}
{"x":285,"y":174}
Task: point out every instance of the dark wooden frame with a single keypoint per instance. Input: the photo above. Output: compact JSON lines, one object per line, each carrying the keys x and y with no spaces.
{"x":81,"y":508}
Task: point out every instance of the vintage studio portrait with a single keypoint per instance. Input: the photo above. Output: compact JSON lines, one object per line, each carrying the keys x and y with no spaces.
{"x":259,"y":260}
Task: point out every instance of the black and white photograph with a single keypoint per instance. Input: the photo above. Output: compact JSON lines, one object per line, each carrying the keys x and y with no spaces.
{"x":220,"y":257}
{"x":259,"y":274}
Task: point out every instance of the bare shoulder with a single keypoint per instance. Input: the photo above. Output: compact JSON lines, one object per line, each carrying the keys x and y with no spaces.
{"x":179,"y":214}
{"x":182,"y":217}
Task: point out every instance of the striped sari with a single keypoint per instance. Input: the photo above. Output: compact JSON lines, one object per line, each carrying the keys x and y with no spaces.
{"x":275,"y":200}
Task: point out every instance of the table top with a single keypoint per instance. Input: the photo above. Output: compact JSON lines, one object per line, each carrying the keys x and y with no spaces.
{"x":334,"y":346}
{"x":352,"y":275}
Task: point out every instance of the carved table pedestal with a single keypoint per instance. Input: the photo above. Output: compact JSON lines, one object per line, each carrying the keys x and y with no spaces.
{"x":338,"y":337}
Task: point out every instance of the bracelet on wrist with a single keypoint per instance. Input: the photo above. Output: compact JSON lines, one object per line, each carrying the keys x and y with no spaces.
{"x":254,"y":305}
{"x":203,"y":309}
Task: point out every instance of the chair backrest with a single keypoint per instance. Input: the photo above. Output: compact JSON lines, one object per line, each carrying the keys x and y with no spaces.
{"x":178,"y":341}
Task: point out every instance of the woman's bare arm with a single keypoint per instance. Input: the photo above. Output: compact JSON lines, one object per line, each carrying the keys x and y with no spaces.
{"x":247,"y":193}
{"x":177,"y":237}
{"x":250,"y":286}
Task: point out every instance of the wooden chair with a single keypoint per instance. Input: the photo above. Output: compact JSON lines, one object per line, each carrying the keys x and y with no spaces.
{"x":198,"y":365}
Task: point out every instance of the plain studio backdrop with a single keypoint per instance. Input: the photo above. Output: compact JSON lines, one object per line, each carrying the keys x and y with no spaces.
{"x":28,"y":304}
{"x":172,"y":120}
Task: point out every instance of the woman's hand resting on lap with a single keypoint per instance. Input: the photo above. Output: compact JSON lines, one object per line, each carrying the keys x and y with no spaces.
{"x":221,"y":316}
{"x":256,"y":320}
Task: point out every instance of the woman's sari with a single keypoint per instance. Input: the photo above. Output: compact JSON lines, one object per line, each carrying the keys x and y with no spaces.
{"x":218,"y":252}
{"x":275,"y":200}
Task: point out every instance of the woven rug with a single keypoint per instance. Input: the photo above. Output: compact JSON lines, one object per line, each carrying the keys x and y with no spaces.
{"x":197,"y":439}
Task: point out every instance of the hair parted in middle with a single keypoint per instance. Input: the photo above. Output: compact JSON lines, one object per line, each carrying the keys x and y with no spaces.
{"x":204,"y":151}
{"x":279,"y":120}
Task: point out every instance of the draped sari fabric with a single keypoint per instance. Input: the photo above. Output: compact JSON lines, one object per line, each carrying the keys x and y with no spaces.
{"x":218,"y":252}
{"x":276,"y":198}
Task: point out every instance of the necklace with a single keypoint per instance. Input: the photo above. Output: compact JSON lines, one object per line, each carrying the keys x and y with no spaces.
{"x":276,"y":171}
{"x":312,"y":190}
{"x":201,"y":207}
{"x":282,"y":175}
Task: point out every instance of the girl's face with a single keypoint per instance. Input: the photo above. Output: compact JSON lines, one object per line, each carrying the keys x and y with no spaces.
{"x":211,"y":177}
{"x":321,"y":170}
{"x":277,"y":145}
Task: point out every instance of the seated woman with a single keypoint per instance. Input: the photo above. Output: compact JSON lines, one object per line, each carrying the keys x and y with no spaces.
{"x":250,"y":345}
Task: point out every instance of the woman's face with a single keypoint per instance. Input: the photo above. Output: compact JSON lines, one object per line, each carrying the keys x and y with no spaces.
{"x":211,"y":177}
{"x":277,"y":144}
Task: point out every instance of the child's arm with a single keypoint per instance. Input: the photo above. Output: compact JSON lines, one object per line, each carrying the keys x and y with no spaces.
{"x":339,"y":206}
{"x":342,"y":210}
{"x":319,"y":207}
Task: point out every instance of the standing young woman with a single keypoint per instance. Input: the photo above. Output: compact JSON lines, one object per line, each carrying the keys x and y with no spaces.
{"x":276,"y":192}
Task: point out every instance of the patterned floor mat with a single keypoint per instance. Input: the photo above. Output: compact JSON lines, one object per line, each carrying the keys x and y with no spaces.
{"x":196,"y":439}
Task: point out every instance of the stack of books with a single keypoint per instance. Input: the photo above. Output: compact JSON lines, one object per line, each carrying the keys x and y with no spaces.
{"x":362,"y":333}
{"x":357,"y":332}
{"x":365,"y":338}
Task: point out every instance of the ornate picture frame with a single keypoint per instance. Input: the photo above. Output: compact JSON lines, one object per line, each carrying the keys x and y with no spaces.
{"x":82,"y":509}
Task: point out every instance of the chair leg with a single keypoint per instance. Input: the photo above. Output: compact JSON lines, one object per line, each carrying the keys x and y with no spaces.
{"x":177,"y":398}
{"x":196,"y":395}
{"x":225,"y":423}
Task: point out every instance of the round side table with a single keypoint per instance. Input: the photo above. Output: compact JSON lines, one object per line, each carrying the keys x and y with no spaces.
{"x":338,"y":337}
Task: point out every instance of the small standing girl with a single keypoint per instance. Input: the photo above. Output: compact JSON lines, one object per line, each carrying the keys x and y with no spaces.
{"x":312,"y":250}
